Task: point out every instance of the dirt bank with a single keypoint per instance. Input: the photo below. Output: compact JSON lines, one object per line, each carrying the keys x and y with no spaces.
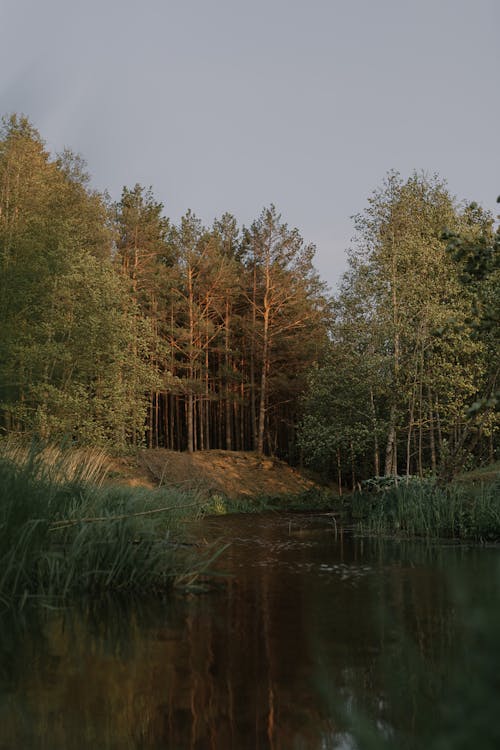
{"x":229,"y":473}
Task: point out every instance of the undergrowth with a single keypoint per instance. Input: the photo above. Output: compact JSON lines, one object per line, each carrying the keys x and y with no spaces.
{"x":313,"y":499}
{"x":422,"y":508}
{"x":59,"y":538}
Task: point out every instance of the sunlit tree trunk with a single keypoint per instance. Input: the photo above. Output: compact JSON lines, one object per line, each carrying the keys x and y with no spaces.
{"x":432,"y":438}
{"x":376,"y":454}
{"x":263,"y":379}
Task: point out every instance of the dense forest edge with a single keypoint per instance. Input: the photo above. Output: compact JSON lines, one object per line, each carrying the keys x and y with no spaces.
{"x":123,"y":329}
{"x":125,"y":332}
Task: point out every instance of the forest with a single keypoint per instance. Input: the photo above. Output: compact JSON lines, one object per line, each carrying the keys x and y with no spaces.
{"x":121,"y":328}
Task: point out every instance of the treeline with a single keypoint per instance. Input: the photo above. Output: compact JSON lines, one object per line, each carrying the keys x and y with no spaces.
{"x":410,"y":382}
{"x":120,"y":327}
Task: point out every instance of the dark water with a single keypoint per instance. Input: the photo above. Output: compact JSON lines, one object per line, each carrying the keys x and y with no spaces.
{"x":313,"y":627}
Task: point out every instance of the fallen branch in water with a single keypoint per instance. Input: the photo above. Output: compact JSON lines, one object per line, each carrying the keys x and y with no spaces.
{"x":73,"y":522}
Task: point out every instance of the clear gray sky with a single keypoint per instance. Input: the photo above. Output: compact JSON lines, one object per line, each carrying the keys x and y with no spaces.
{"x":228,"y":105}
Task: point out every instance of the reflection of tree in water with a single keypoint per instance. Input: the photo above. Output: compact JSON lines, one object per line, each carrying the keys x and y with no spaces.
{"x":256,"y":673}
{"x":271,"y":662}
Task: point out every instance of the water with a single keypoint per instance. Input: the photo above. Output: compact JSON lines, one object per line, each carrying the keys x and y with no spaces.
{"x":313,"y":632}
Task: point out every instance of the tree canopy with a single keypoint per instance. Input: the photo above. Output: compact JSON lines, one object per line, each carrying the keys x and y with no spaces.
{"x":119,"y":326}
{"x":415,"y":338}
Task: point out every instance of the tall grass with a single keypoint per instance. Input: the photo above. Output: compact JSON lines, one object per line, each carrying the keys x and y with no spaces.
{"x":57,"y":463}
{"x":424,"y":509}
{"x":59,"y":538}
{"x":308,"y":500}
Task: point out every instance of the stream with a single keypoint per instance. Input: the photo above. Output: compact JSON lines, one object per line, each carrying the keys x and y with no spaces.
{"x":311,"y":633}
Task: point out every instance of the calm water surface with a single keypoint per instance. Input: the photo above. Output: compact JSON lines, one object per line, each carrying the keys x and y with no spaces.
{"x":312,"y":627}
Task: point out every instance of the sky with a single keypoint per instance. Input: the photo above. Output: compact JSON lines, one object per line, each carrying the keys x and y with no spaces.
{"x":230,"y":105}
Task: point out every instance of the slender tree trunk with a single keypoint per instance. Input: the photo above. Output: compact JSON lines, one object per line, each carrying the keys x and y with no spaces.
{"x":196,"y":402}
{"x":408,"y":439}
{"x":253,"y":397}
{"x":263,"y":384}
{"x":150,"y":421}
{"x":420,"y":437}
{"x":190,"y":400}
{"x":228,"y":409}
{"x":432,"y":439}
{"x":177,"y":433}
{"x":376,"y":453}
{"x":353,"y":467}
{"x":391,"y":460}
{"x":189,"y":422}
{"x":166,"y":420}
{"x":237,"y":427}
{"x":242,"y":412}
{"x":206,"y":405}
{"x":391,"y":449}
{"x":439,"y":431}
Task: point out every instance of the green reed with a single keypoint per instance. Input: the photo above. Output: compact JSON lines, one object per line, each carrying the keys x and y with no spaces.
{"x":422,"y":508}
{"x":59,"y":538}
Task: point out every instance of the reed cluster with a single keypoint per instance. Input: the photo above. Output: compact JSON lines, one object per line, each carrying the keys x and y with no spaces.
{"x":422,"y":508}
{"x":64,"y":537}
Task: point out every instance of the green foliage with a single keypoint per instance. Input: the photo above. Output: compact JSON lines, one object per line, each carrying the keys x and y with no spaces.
{"x":336,"y":421}
{"x":118,"y":327}
{"x":376,"y":485}
{"x":74,"y":347}
{"x":414,"y":341}
{"x":478,"y":259}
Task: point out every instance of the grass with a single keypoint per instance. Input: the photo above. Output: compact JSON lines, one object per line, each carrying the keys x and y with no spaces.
{"x":422,"y":508}
{"x":313,"y":499}
{"x":63,"y":535}
{"x":488,"y":473}
{"x":57,"y":463}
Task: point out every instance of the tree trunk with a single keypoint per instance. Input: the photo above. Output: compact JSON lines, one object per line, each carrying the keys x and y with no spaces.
{"x":263,"y":384}
{"x":432,"y":439}
{"x":190,"y":400}
{"x":228,"y":409}
{"x":253,"y":397}
{"x":376,"y":453}
{"x":408,"y":439}
{"x":189,"y":422}
{"x":391,"y":459}
{"x":353,"y":467}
